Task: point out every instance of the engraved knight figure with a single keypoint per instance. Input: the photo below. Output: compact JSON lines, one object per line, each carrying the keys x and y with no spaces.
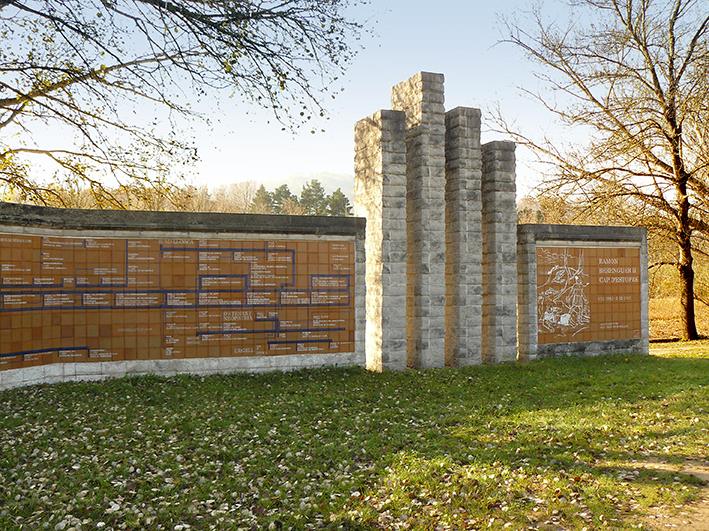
{"x":562,"y":303}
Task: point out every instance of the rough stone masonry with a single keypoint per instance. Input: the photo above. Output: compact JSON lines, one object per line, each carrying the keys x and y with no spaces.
{"x":457,"y":227}
{"x":452,"y":280}
{"x":380,"y":190}
{"x":463,"y":215}
{"x":499,"y":244}
{"x":421,"y":98}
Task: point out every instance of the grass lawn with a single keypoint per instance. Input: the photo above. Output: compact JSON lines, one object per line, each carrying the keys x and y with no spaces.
{"x":556,"y":443}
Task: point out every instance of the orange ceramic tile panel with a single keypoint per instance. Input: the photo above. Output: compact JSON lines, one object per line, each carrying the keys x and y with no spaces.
{"x":111,"y":299}
{"x":588,"y":294}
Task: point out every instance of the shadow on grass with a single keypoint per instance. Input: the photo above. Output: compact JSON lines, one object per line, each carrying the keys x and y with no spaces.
{"x":571,"y":420}
{"x":545,"y":443}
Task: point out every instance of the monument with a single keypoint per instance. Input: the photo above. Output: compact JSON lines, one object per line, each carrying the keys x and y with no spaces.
{"x":438,"y":274}
{"x":442,"y":234}
{"x":582,"y":290}
{"x":87,"y":294}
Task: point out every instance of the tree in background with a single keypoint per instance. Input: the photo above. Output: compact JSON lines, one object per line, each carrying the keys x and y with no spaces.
{"x":313,"y":201}
{"x":135,"y":195}
{"x":242,"y":197}
{"x":281,"y":195}
{"x":312,"y":198}
{"x":338,"y":204}
{"x":292,"y":207}
{"x":235,"y":197}
{"x":262,"y":202}
{"x":89,"y":69}
{"x":635,"y":75}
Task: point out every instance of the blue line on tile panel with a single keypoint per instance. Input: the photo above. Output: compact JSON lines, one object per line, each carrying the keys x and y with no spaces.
{"x":43,"y":351}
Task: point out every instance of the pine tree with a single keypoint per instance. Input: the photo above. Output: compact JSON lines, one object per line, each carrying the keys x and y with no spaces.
{"x":313,"y":199}
{"x":263,"y":202}
{"x":281,"y":196}
{"x":338,"y":204}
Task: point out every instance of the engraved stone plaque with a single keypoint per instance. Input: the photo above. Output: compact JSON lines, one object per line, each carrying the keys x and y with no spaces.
{"x":588,"y":294}
{"x":110,"y":299}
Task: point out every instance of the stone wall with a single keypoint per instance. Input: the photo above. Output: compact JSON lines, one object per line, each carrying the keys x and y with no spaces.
{"x":26,"y":221}
{"x":443,"y":236}
{"x":459,"y":221}
{"x":443,"y":276}
{"x":608,"y":241}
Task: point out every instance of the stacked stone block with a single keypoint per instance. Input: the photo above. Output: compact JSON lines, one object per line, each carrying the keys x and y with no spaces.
{"x":380,"y":196}
{"x":463,"y":238}
{"x":360,"y":300}
{"x":526,"y":296}
{"x":441,"y":223}
{"x":499,"y":242}
{"x":422,"y":99}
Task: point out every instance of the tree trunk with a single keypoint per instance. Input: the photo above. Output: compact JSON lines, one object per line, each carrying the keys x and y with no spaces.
{"x":686,"y":280}
{"x":685,"y":267}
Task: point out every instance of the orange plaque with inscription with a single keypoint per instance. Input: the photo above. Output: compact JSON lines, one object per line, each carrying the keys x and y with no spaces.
{"x":588,"y":294}
{"x":68,"y":299}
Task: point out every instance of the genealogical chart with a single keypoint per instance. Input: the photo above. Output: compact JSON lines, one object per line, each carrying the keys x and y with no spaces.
{"x":110,"y":299}
{"x":588,"y":293}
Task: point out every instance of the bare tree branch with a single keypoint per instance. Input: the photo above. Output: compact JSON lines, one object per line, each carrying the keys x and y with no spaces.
{"x":81,"y":66}
{"x":636,"y":73}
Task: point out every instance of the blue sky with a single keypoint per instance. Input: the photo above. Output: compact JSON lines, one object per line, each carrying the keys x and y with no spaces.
{"x":458,"y":38}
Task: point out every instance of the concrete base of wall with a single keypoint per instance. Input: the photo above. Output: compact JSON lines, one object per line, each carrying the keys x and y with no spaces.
{"x":596,"y":348}
{"x":71,"y":372}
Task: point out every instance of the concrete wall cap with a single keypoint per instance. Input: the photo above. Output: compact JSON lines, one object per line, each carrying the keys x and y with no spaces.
{"x":68,"y":218}
{"x":582,"y":232}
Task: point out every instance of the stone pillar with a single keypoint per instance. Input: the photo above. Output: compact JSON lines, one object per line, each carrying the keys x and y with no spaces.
{"x":360,"y":297}
{"x":526,"y":294}
{"x":463,"y":237}
{"x":499,"y":228}
{"x":380,"y":196}
{"x":421,"y":97}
